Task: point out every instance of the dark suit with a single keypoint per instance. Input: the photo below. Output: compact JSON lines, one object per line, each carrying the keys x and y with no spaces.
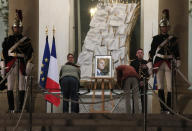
{"x":137,"y":64}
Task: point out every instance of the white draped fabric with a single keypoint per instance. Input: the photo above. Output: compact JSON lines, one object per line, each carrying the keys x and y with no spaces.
{"x":108,"y":32}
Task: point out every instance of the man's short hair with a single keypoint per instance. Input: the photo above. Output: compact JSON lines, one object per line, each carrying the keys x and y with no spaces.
{"x":69,"y":55}
{"x":139,"y":49}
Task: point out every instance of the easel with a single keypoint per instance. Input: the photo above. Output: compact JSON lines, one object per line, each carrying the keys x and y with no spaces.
{"x":109,"y":83}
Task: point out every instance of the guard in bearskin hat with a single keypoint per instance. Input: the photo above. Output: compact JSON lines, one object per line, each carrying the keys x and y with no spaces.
{"x":17,"y":56}
{"x":164,"y":49}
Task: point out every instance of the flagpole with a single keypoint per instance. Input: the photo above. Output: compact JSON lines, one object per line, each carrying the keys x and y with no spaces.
{"x":46,"y":31}
{"x":54,"y":30}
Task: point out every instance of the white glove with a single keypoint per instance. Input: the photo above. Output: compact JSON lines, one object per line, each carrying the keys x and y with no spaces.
{"x":29,"y":68}
{"x":2,"y":65}
{"x":178,"y":63}
{"x":150,"y":68}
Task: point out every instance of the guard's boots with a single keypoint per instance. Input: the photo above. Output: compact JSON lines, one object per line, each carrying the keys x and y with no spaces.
{"x":161,"y":95}
{"x":169,"y":100}
{"x":21,"y":100}
{"x":10,"y":98}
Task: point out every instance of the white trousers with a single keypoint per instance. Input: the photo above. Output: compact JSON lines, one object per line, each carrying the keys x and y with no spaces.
{"x":12,"y":77}
{"x":164,"y":73}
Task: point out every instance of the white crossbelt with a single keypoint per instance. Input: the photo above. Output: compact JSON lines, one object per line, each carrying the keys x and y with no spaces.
{"x":161,"y":45}
{"x":164,"y":56}
{"x":10,"y":51}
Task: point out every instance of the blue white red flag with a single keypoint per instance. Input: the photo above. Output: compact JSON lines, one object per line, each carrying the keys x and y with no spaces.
{"x":52,"y":84}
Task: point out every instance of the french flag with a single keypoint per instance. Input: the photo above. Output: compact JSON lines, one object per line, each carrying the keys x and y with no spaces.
{"x":52,"y":83}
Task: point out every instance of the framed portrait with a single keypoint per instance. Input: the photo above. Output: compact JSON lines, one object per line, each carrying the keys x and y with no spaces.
{"x":103,"y":66}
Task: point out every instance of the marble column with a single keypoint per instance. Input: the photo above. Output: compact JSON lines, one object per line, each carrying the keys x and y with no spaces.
{"x":149,"y":23}
{"x":149,"y":28}
{"x":57,"y":14}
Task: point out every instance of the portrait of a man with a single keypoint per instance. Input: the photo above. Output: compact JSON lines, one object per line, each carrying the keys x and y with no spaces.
{"x":103,"y":66}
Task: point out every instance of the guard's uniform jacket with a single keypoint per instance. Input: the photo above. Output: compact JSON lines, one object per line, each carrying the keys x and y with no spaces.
{"x":23,"y":48}
{"x":166,"y":53}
